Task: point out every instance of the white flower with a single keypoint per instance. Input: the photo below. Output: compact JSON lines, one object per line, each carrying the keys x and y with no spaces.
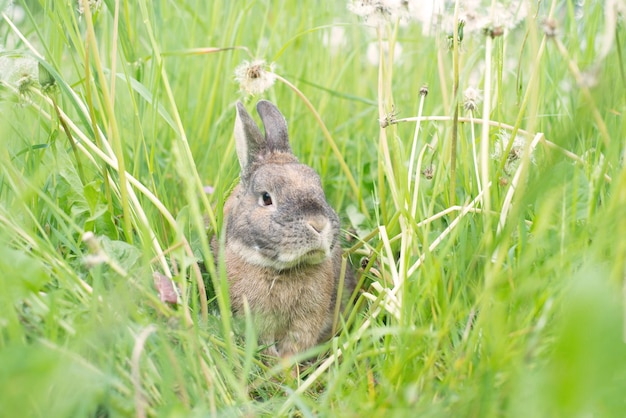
{"x":93,"y":260}
{"x":19,"y":72}
{"x":255,"y":77}
{"x":378,"y":12}
{"x":477,"y":14}
{"x":472,"y":98}
{"x":515,"y":153}
{"x":96,"y":256}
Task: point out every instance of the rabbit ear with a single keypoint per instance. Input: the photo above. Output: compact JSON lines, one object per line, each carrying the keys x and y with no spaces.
{"x":248,"y":138}
{"x":275,"y":124}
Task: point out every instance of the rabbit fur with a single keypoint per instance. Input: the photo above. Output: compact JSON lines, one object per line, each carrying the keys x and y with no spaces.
{"x":282,"y":253}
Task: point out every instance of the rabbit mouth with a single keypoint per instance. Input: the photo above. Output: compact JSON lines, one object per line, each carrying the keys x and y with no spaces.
{"x":311,"y":257}
{"x":279,"y":261}
{"x":315,"y":256}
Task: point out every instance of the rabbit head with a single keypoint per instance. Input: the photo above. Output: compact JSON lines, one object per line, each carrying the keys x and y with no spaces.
{"x":278,"y":216}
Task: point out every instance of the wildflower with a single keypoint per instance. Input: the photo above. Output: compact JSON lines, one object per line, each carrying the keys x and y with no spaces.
{"x":478,"y":15}
{"x":92,"y":260}
{"x":389,"y":118}
{"x":424,"y":90}
{"x":19,"y":72}
{"x":429,"y":172}
{"x":589,"y":78}
{"x":516,"y":152}
{"x":472,"y":98}
{"x":89,"y":238}
{"x":494,"y":31}
{"x":550,"y":27}
{"x":379,"y":12}
{"x":255,"y":77}
{"x":96,"y":255}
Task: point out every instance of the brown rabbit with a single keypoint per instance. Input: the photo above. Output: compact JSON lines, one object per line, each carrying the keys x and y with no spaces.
{"x":282,"y":252}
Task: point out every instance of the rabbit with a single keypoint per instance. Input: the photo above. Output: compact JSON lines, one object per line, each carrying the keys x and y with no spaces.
{"x":282,"y":253}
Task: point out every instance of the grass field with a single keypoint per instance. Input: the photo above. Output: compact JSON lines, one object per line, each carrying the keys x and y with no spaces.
{"x":478,"y":170}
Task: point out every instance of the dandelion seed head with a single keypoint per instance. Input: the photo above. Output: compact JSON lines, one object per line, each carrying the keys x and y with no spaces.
{"x":478,"y":15}
{"x":89,"y":238}
{"x":550,"y":27}
{"x":19,"y":72}
{"x":379,"y":12}
{"x":472,"y":97}
{"x":255,"y":77}
{"x":96,"y":256}
{"x":429,"y":172}
{"x":589,"y":78}
{"x":389,"y":119}
{"x":516,"y":152}
{"x":92,"y":260}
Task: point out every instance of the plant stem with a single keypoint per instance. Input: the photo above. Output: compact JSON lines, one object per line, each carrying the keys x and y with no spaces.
{"x":455,"y":101}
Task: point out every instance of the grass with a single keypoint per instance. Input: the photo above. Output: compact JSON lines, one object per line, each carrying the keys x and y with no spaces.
{"x":491,"y":280}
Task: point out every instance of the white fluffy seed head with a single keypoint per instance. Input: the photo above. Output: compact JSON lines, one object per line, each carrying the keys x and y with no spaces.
{"x":255,"y":77}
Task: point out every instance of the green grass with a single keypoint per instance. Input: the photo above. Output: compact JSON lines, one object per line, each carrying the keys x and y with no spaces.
{"x":492,"y":287}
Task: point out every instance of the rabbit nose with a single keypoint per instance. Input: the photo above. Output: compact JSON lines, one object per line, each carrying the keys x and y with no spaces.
{"x":318,"y":223}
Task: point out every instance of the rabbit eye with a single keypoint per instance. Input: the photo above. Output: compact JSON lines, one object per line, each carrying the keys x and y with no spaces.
{"x":266,"y":199}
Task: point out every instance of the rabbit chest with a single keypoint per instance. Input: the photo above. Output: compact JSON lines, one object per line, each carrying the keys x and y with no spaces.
{"x":295,"y":304}
{"x":281,"y":300}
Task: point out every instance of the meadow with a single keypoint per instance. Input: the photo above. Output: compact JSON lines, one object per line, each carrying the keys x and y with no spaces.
{"x":474,"y":151}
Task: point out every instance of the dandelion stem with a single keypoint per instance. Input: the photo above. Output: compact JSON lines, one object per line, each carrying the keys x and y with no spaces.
{"x":484,"y":137}
{"x":474,"y":154}
{"x":415,"y":178}
{"x":414,"y":145}
{"x":455,"y":98}
{"x":383,"y":144}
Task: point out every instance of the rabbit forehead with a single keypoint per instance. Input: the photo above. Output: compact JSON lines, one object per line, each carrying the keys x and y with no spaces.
{"x":279,"y":177}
